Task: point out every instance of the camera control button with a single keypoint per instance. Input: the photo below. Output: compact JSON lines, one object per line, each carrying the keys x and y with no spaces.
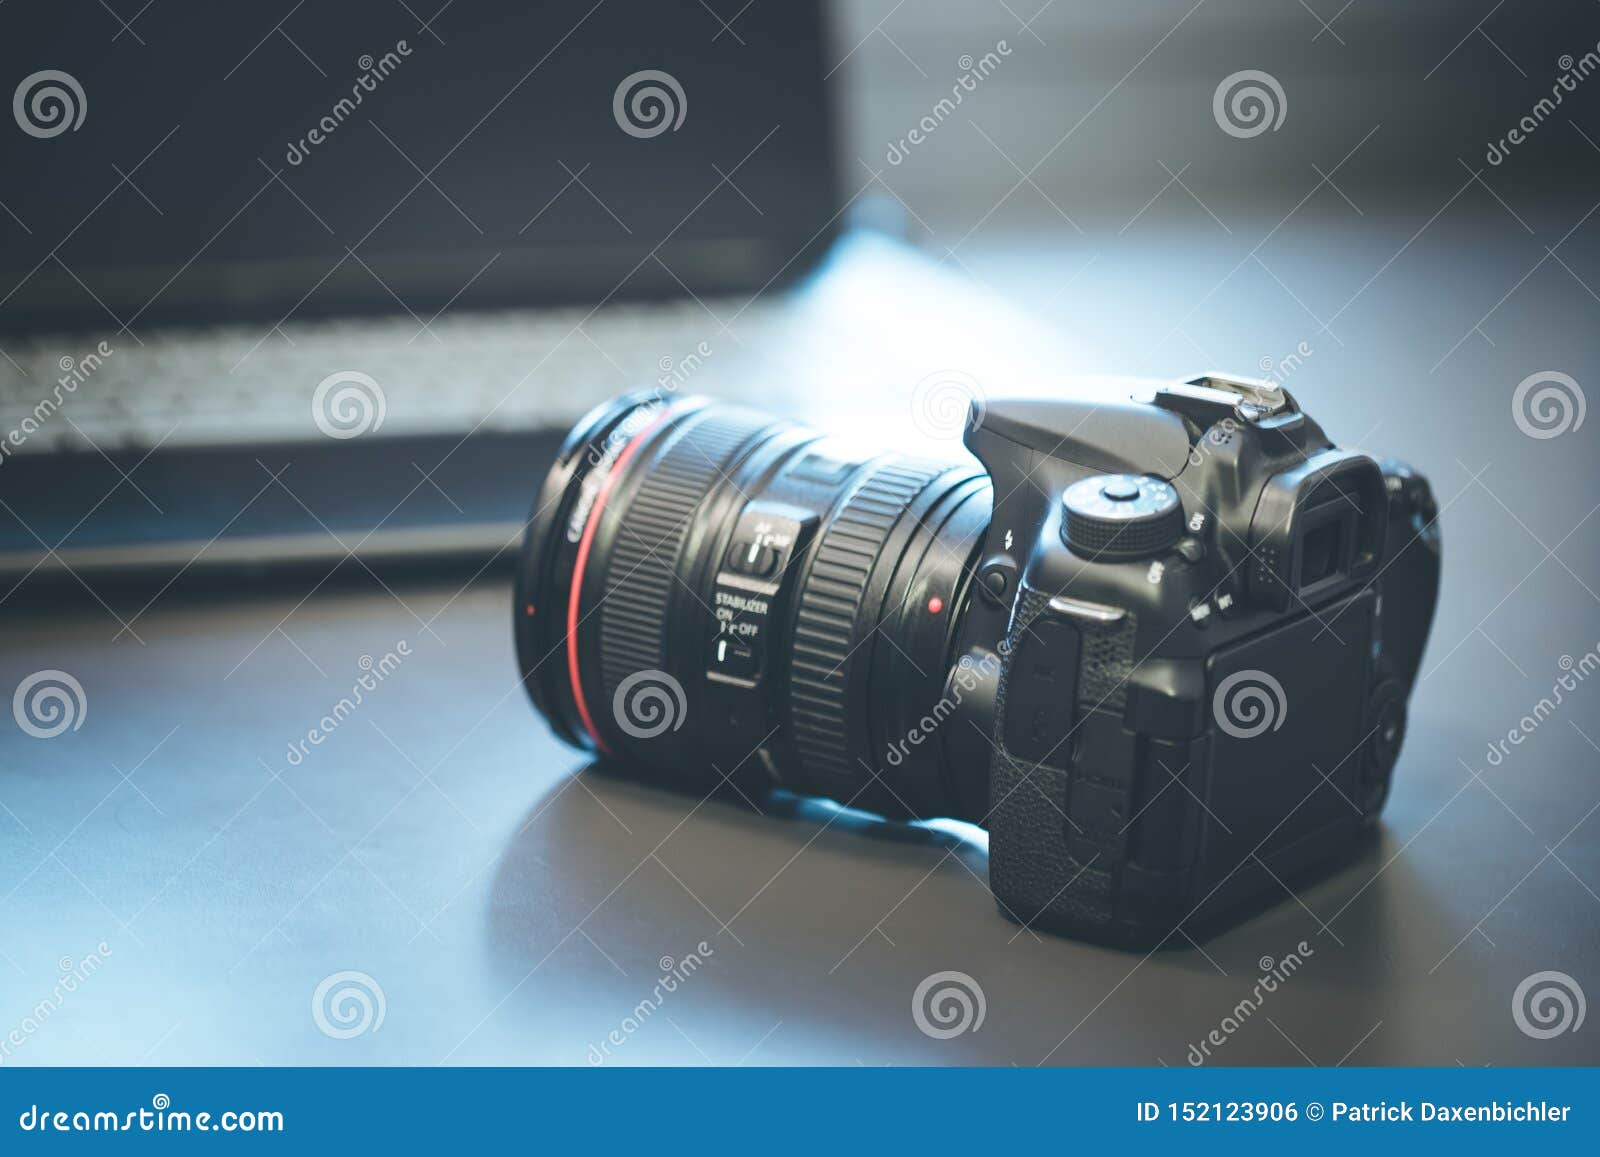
{"x":995,"y":580}
{"x":752,"y":557}
{"x":736,"y":659}
{"x":1120,"y":517}
{"x":1191,"y":549}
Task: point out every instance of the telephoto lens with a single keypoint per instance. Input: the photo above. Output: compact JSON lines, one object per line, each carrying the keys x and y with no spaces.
{"x":1160,"y":647}
{"x":710,"y":594}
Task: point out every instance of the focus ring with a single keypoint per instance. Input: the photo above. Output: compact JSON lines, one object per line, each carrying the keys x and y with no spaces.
{"x":641,"y":563}
{"x":830,"y":613}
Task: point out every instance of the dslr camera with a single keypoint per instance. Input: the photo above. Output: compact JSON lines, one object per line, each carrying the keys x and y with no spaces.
{"x":1159,"y":647}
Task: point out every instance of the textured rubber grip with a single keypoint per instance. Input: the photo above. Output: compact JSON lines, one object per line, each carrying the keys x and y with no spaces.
{"x":832,"y":622}
{"x":1032,"y":873}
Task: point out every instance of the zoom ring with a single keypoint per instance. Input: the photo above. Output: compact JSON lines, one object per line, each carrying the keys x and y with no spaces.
{"x":639,"y":573}
{"x":830,"y":610}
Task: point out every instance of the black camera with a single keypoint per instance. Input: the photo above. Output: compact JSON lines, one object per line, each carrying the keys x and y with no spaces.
{"x":1159,"y":647}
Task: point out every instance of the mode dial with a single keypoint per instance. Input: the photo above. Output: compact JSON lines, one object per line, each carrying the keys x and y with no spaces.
{"x":1118,"y":517}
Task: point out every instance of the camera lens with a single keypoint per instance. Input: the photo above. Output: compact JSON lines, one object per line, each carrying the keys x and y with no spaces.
{"x":711,"y":594}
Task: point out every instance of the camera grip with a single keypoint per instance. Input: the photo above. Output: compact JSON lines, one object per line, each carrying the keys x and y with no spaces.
{"x":1033,"y":874}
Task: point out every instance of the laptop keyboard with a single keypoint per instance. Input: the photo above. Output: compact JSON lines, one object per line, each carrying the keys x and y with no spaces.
{"x":386,"y":376}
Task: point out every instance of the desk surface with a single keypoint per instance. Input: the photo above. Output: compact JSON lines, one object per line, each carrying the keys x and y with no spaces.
{"x":513,"y":908}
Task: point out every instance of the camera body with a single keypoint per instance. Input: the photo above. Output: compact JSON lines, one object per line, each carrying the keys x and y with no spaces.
{"x":1210,"y":620}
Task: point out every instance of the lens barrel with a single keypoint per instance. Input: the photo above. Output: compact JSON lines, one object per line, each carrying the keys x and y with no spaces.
{"x":713,"y":595}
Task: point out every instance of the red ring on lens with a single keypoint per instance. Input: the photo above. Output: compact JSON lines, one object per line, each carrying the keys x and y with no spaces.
{"x":578,"y":566}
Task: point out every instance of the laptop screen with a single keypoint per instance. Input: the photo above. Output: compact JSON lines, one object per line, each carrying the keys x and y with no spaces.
{"x":286,"y":160}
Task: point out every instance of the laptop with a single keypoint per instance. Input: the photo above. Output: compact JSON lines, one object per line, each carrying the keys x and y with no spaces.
{"x":285,"y":284}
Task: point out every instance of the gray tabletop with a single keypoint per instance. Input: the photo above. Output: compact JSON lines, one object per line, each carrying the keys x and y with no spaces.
{"x":441,"y":881}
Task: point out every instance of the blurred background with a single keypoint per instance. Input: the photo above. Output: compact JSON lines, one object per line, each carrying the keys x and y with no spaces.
{"x":1384,"y":207}
{"x":1369,"y":222}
